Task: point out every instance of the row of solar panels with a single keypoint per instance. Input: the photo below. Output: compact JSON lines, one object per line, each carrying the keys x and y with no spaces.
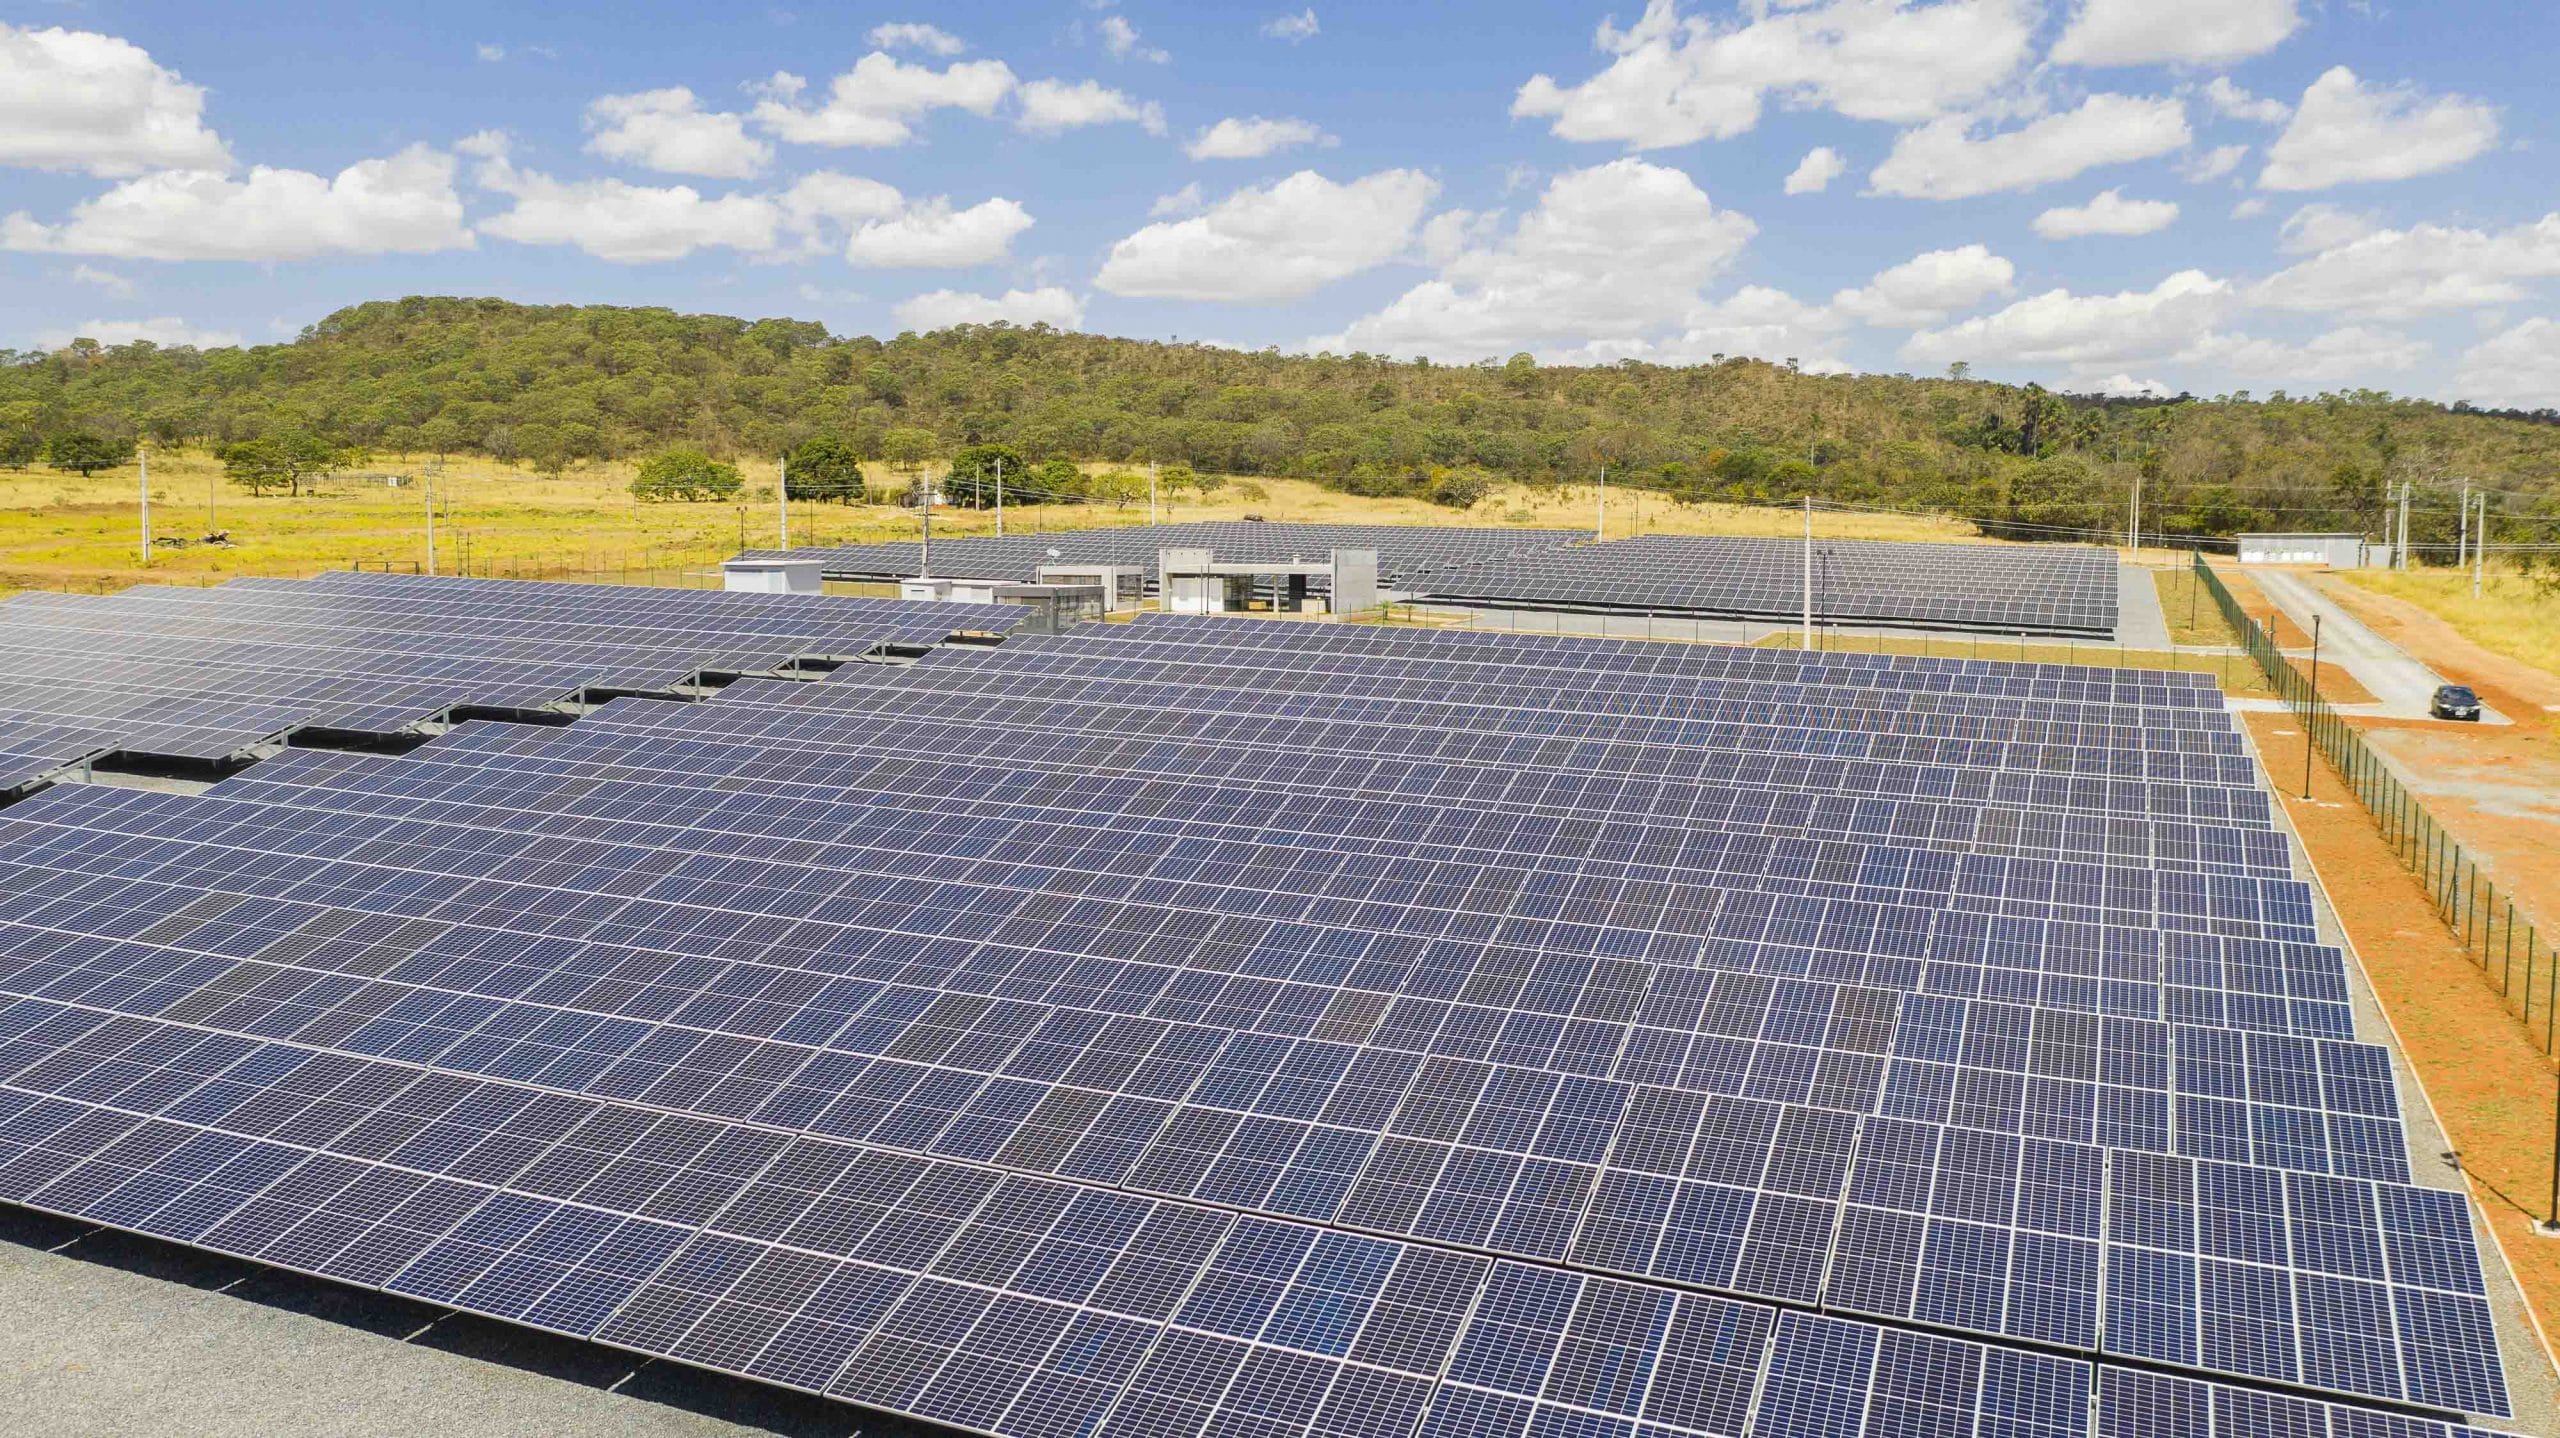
{"x":1504,"y":1055}
{"x":2002,"y":589}
{"x":206,"y":673}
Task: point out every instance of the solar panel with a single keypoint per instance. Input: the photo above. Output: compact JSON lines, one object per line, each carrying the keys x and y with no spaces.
{"x":2041,"y":589}
{"x":1302,"y":1030}
{"x":1405,"y":552}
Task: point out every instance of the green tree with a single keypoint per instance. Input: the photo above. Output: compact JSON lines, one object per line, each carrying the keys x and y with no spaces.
{"x":907,"y":448}
{"x":825,"y":467}
{"x":686,"y":474}
{"x":283,"y":461}
{"x":974,"y":471}
{"x":86,"y":452}
{"x":19,"y":448}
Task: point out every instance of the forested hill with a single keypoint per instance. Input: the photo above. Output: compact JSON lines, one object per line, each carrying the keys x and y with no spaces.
{"x":556,"y":386}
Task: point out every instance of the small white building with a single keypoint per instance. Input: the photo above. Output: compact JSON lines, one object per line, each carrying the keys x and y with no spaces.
{"x":2338,"y":551}
{"x":774,"y":576}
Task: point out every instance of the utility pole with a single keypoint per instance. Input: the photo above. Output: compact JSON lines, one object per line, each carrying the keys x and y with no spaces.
{"x":428,"y":485}
{"x":2400,"y":555}
{"x":999,"y":496}
{"x":2480,"y":547}
{"x":2462,"y":543}
{"x":2133,"y":520}
{"x":144,"y":454}
{"x":1807,"y":640}
{"x":782,"y":496}
{"x":924,"y":554}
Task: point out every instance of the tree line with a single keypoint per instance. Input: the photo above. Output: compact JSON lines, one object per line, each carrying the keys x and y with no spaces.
{"x":1082,"y":416}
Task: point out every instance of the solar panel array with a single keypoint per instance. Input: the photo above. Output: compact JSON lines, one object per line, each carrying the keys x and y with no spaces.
{"x":2040,"y":589}
{"x":1405,"y":551}
{"x":1221,"y":1026}
{"x":203,"y":674}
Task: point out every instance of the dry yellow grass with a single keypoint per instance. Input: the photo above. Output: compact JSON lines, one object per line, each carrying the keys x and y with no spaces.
{"x":2510,"y":617}
{"x":61,"y":531}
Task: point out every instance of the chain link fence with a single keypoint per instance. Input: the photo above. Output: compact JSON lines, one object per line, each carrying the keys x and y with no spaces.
{"x":2498,"y":937}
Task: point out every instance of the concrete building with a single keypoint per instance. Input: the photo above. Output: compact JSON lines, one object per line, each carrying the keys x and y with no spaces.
{"x":2338,"y":551}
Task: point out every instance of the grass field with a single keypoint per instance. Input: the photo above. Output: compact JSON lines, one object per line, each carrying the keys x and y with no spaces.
{"x":2510,"y":617}
{"x":61,"y":531}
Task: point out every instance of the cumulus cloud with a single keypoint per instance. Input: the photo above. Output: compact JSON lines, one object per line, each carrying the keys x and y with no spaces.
{"x":915,"y":35}
{"x":166,"y":331}
{"x":2088,"y":333}
{"x":2174,"y":32}
{"x":1675,"y":80}
{"x":1252,"y":138}
{"x":2213,"y":164}
{"x":878,"y":101}
{"x":2518,"y":367}
{"x":932,"y":234}
{"x":1814,"y":173}
{"x":1292,"y":28}
{"x":1610,"y":253}
{"x":2108,"y":214}
{"x":2353,"y":355}
{"x":1273,"y":242}
{"x":1052,"y":107}
{"x":2316,"y":228}
{"x":2346,"y":131}
{"x":1183,"y":202}
{"x":2397,"y":274}
{"x":108,"y":280}
{"x":1926,"y":289}
{"x":1943,"y":161}
{"x":667,"y":130}
{"x":941,"y":309}
{"x":2238,"y":104}
{"x":73,"y":100}
{"x":401,"y":204}
{"x":1121,"y":40}
{"x":626,"y":223}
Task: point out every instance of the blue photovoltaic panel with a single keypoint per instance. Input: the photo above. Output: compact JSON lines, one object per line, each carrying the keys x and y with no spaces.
{"x":987,"y":1043}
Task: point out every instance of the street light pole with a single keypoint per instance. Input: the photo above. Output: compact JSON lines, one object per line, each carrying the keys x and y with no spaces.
{"x":1807,"y":640}
{"x":782,"y":497}
{"x":2311,"y":708}
{"x":999,"y":496}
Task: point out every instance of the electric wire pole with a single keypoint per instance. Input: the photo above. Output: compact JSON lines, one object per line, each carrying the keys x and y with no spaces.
{"x":782,"y":496}
{"x":2400,"y":556}
{"x":2480,"y":547}
{"x":1807,"y":640}
{"x":2462,"y":541}
{"x":144,"y":454}
{"x":999,"y":496}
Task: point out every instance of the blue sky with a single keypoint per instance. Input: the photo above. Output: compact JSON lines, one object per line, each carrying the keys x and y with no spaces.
{"x":2123,"y":194}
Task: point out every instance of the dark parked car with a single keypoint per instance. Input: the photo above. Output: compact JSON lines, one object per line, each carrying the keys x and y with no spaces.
{"x":2453,"y":701}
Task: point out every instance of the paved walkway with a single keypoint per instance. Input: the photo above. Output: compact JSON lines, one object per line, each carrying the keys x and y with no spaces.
{"x":2402,"y":684}
{"x":2139,"y":622}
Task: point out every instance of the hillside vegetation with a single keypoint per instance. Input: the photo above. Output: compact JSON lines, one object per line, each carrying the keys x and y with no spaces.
{"x":562,"y":387}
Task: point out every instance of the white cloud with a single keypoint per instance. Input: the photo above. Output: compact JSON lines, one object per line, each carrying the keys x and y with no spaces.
{"x":933,"y":235}
{"x":1051,"y":107}
{"x":1612,"y":253}
{"x":2315,"y":228}
{"x":2230,"y":100}
{"x":108,"y":280}
{"x":488,"y":53}
{"x":1814,"y":173}
{"x":1675,"y":80}
{"x":2088,"y":333}
{"x":915,"y":35}
{"x":879,"y":100}
{"x":1181,"y":203}
{"x":2518,"y":368}
{"x":72,"y":100}
{"x":1120,"y":38}
{"x":401,"y":204}
{"x":2352,"y":356}
{"x":165,"y":331}
{"x":1252,"y":138}
{"x":2110,"y":213}
{"x":1292,"y":28}
{"x":1926,"y":289}
{"x":942,"y":309}
{"x":2174,"y":32}
{"x":2213,"y":164}
{"x":1273,"y":242}
{"x":1942,"y":161}
{"x":626,"y":223}
{"x":2346,"y":131}
{"x":666,"y":130}
{"x":825,"y":196}
{"x":2396,"y":274}
{"x":2125,"y":386}
{"x":2249,"y":209}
